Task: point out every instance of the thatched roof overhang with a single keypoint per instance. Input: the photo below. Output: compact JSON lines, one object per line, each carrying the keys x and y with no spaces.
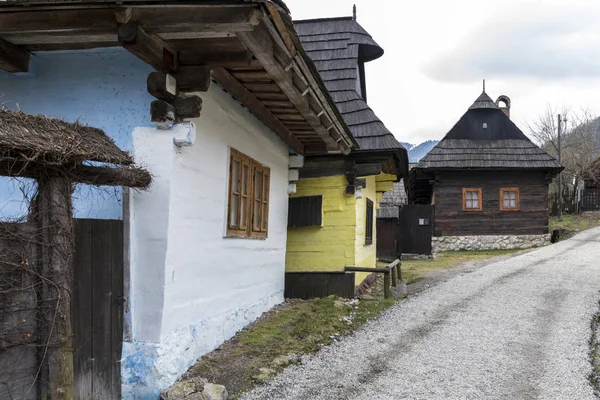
{"x":34,"y":146}
{"x":339,"y":48}
{"x":250,"y":45}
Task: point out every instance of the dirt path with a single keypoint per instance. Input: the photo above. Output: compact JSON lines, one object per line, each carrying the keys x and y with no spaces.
{"x":442,"y":275}
{"x":518,"y":328}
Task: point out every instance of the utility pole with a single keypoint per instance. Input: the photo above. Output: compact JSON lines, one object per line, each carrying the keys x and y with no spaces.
{"x":560,"y":194}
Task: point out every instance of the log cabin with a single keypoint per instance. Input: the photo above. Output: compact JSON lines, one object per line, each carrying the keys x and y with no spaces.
{"x":488,"y":182}
{"x":332,"y":213}
{"x":220,"y":102}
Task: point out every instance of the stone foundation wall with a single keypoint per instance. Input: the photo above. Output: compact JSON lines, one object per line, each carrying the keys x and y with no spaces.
{"x":496,"y":242}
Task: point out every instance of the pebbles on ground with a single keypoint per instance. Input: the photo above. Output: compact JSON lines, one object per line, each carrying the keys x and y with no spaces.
{"x":514,"y":329}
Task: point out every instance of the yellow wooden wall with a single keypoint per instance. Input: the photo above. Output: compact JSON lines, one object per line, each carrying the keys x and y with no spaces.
{"x":331,"y":246}
{"x":365,"y":254}
{"x":340,"y":241}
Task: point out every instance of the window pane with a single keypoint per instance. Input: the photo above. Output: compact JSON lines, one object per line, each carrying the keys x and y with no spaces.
{"x":506,"y":202}
{"x":475,"y":196}
{"x":256,"y":215}
{"x":506,"y":196}
{"x":245,"y":180}
{"x":512,"y":195}
{"x":235,"y":188}
{"x":265,"y":215}
{"x":233,"y":220}
{"x":513,"y":203}
{"x":244,"y":202}
{"x":265,"y":188}
{"x":257,"y":185}
{"x":469,"y":196}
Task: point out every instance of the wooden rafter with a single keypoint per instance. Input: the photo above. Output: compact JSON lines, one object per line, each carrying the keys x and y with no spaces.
{"x":244,"y":96}
{"x":261,"y":46}
{"x":148,"y":47}
{"x":13,"y":58}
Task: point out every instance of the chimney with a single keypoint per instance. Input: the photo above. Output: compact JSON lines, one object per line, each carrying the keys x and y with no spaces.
{"x":354,"y":12}
{"x":503,"y":103}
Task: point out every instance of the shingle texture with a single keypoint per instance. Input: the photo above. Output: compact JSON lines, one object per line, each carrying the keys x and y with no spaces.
{"x":485,"y":137}
{"x":337,"y":46}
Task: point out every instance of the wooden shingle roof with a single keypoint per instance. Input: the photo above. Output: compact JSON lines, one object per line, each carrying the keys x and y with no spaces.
{"x":337,"y":46}
{"x":485,"y":138}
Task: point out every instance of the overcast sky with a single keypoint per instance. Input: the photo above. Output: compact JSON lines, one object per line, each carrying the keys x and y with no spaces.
{"x":539,"y":53}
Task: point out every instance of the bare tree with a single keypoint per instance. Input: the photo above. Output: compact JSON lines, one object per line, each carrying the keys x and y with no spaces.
{"x":580,"y":139}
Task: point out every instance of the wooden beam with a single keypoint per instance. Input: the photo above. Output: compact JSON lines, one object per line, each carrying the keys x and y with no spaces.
{"x":216,"y":58}
{"x":86,"y":174}
{"x":13,"y":58}
{"x":367,"y":169}
{"x":73,"y":22}
{"x":162,"y":114}
{"x":194,"y":78}
{"x":148,"y":47}
{"x":260,"y":44}
{"x":162,"y":86}
{"x":238,"y":91}
{"x":189,"y":19}
{"x":187,"y":106}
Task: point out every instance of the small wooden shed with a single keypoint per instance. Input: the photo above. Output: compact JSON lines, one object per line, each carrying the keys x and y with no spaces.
{"x":487,"y":181}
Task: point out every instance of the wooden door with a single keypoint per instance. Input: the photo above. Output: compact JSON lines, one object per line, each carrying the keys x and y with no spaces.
{"x":415,"y":229}
{"x":387,"y":239}
{"x":97,"y":308}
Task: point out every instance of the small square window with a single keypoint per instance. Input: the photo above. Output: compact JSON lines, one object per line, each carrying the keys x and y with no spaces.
{"x":509,"y":199}
{"x":472,"y":200}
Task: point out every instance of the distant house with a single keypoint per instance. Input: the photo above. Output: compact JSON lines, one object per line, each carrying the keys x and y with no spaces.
{"x":205,"y":247}
{"x":487,"y":181}
{"x":332,"y":213}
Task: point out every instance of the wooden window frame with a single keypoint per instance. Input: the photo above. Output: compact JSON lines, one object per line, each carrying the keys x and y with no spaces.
{"x":246,"y":227}
{"x":517,"y":199}
{"x":369,"y":220}
{"x":479,"y":198}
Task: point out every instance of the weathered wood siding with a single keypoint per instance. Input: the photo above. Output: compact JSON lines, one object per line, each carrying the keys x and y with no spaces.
{"x":308,"y":285}
{"x":531,"y":219}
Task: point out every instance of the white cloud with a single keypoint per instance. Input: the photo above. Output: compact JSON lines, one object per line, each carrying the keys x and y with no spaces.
{"x":551,"y":42}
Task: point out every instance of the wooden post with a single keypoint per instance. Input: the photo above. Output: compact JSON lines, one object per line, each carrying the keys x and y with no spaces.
{"x":394,"y":280}
{"x":56,"y":247}
{"x":399,"y":271}
{"x":386,"y":285}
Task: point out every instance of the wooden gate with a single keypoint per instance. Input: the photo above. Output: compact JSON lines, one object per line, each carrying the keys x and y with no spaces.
{"x":97,"y":308}
{"x":415,"y":228}
{"x":590,"y":200}
{"x":387,"y":239}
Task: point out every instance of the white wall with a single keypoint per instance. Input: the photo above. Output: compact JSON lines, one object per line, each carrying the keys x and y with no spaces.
{"x":191,"y":288}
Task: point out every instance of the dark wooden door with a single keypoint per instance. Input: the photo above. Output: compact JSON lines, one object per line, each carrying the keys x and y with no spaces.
{"x":387,"y":239}
{"x":97,"y":308}
{"x":415,"y":228}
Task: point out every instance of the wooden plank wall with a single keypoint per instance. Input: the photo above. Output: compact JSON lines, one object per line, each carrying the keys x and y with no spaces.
{"x":450,"y":219}
{"x":308,"y":285}
{"x":387,"y":239}
{"x":98,"y":308}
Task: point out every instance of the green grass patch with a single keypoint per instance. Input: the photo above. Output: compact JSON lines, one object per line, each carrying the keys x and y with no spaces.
{"x":305,"y":326}
{"x":297,"y":327}
{"x":414,"y":270}
{"x":576,"y":222}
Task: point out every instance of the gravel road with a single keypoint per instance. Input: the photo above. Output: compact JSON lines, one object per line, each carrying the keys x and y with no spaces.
{"x":514,"y":329}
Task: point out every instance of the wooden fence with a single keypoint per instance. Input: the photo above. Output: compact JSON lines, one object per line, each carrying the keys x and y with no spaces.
{"x":96,"y":312}
{"x":574,"y":201}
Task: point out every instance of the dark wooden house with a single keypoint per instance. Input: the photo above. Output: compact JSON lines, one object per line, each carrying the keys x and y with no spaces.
{"x":487,"y":181}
